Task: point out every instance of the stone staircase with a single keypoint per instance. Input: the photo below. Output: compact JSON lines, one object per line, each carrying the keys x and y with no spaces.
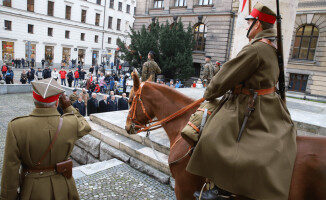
{"x":108,"y":131}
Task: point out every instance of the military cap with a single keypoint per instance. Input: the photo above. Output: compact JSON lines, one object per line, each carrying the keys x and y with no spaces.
{"x":217,"y":63}
{"x":46,"y":90}
{"x":262,"y":13}
{"x":152,"y":52}
{"x":74,"y":90}
{"x":208,"y":57}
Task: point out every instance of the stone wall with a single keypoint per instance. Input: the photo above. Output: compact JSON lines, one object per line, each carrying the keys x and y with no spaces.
{"x":15,"y":88}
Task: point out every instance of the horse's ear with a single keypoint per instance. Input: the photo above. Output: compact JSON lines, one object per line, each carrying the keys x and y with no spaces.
{"x":136,"y":80}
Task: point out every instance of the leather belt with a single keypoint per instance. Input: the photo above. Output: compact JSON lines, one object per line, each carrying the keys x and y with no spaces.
{"x":40,"y":169}
{"x":240,"y":90}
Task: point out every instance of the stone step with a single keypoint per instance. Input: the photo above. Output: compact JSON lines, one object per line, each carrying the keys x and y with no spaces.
{"x":131,"y":147}
{"x":116,"y":121}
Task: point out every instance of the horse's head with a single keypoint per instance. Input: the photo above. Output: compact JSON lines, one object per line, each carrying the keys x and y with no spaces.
{"x":139,"y":113}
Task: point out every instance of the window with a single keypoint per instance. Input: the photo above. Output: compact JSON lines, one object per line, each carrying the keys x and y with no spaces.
{"x":68,"y":12}
{"x":67,"y":34}
{"x":7,"y":25}
{"x":134,"y":10}
{"x":120,"y":6}
{"x":200,"y":36}
{"x":158,"y":3}
{"x":98,"y":2}
{"x":30,"y":5}
{"x":305,"y":43}
{"x":128,"y":8}
{"x":109,"y":40}
{"x":7,"y":3}
{"x":110,"y":22}
{"x":97,"y":19}
{"x":118,"y":24}
{"x":298,"y":82}
{"x":82,"y":36}
{"x":117,"y":41}
{"x":50,"y":32}
{"x":96,"y":39}
{"x":127,"y":26}
{"x":83,"y":16}
{"x":111,"y":3}
{"x":30,"y":28}
{"x":50,"y":8}
{"x":205,"y":2}
{"x":180,"y":3}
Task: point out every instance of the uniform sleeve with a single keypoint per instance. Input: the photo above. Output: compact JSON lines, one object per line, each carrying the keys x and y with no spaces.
{"x":158,"y":69}
{"x":11,"y":165}
{"x":233,"y":72}
{"x":144,"y":72}
{"x":83,"y":126}
{"x":206,"y":72}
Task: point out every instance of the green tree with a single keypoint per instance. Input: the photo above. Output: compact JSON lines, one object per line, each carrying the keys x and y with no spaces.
{"x":171,"y":43}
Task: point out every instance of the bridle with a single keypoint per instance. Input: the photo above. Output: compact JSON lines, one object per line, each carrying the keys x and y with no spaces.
{"x":157,"y":123}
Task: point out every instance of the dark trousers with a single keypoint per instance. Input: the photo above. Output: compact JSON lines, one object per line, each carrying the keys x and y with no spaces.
{"x":70,"y":83}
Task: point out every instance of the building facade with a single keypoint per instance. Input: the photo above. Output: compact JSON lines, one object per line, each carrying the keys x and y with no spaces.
{"x":61,"y":30}
{"x":212,"y":22}
{"x":306,"y":69}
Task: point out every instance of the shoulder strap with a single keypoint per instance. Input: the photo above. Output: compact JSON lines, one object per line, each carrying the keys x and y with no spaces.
{"x":52,"y":142}
{"x":267,"y":41}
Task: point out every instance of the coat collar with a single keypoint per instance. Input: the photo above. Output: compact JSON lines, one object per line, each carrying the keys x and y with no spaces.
{"x":268,"y":33}
{"x":45,"y":112}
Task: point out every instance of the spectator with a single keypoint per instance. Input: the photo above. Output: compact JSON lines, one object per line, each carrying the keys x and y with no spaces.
{"x":82,"y":74}
{"x":96,"y":69}
{"x":32,"y":70}
{"x":171,"y":83}
{"x":4,"y":69}
{"x":92,"y":105}
{"x":63,"y":73}
{"x":39,"y":74}
{"x":113,"y":105}
{"x":18,"y":62}
{"x":85,"y":97}
{"x":42,"y":61}
{"x":178,"y":84}
{"x":73,"y":97}
{"x":76,"y":78}
{"x":47,"y":72}
{"x":33,"y":62}
{"x":80,"y":105}
{"x":103,"y":105}
{"x":97,"y":88}
{"x":70,"y":77}
{"x":23,"y":62}
{"x":55,"y":74}
{"x":23,"y":77}
{"x":9,"y":76}
{"x":123,"y":102}
{"x":112,"y":84}
{"x":30,"y":76}
{"x":91,"y":69}
{"x":111,"y":93}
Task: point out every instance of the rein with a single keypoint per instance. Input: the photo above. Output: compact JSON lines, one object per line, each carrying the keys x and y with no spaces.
{"x":158,"y":123}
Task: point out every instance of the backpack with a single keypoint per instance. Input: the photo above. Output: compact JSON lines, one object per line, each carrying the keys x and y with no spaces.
{"x":4,"y":68}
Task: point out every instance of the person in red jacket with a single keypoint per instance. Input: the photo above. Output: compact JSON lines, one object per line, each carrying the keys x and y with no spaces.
{"x":97,"y":88}
{"x":63,"y":73}
{"x":76,"y":78}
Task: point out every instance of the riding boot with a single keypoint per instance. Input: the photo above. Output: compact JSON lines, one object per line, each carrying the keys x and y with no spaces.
{"x":213,"y":194}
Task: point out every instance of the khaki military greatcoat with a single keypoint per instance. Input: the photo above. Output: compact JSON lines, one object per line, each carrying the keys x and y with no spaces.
{"x":260,"y":165}
{"x":27,"y":139}
{"x":150,"y":68}
{"x":73,"y":98}
{"x":208,"y":71}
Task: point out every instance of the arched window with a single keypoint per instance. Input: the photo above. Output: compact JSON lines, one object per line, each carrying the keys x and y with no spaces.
{"x":200,"y":33}
{"x":305,"y":43}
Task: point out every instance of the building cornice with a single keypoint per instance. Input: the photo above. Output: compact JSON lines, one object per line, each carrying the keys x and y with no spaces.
{"x":7,"y":39}
{"x":185,"y":14}
{"x":311,"y":12}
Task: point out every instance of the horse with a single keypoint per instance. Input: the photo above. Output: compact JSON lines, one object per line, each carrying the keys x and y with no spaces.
{"x":147,"y":100}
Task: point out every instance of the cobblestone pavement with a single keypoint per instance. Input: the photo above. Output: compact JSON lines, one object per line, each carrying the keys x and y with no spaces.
{"x":119,"y":182}
{"x":122,"y":182}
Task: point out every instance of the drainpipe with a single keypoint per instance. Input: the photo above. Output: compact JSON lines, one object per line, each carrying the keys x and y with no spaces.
{"x":231,"y":37}
{"x":102,"y":58}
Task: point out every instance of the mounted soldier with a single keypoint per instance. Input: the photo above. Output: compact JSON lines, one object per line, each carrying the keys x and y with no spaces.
{"x":41,"y":143}
{"x":248,"y":146}
{"x":150,"y":68}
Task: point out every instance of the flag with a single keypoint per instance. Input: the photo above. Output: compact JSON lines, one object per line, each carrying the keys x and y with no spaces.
{"x":244,"y":4}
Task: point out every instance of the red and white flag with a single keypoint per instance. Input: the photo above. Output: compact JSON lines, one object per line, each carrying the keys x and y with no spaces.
{"x":244,"y":4}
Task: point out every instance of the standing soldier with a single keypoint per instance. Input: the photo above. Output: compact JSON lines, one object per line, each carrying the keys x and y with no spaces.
{"x":73,"y":97}
{"x":42,"y":143}
{"x":248,"y":146}
{"x":150,"y":68}
{"x":208,"y":70}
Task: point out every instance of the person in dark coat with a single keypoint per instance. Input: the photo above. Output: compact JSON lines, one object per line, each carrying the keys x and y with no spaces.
{"x":30,"y":76}
{"x":80,"y":105}
{"x":123,"y":102}
{"x":103,"y":105}
{"x":91,"y":69}
{"x":47,"y":72}
{"x":70,"y":77}
{"x":9,"y":76}
{"x":82,"y":74}
{"x":112,"y":104}
{"x":23,"y":62}
{"x":92,"y":105}
{"x":43,"y":61}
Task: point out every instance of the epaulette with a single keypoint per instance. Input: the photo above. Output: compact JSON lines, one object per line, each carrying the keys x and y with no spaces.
{"x":70,"y":113}
{"x":19,"y":117}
